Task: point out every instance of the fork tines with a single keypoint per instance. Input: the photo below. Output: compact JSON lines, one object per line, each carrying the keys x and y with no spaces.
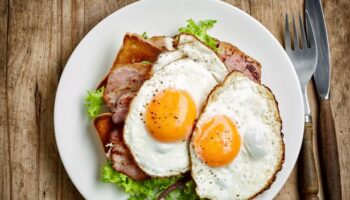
{"x":307,"y":39}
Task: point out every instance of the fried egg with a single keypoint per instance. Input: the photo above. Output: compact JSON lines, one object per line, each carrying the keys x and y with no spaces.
{"x":237,"y":146}
{"x":163,"y":113}
{"x":189,"y":46}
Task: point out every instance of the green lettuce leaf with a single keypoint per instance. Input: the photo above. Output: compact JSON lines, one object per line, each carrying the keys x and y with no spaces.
{"x":94,"y":102}
{"x":144,"y":35}
{"x":200,"y":30}
{"x":188,"y":192}
{"x":148,"y":189}
{"x":146,"y":62}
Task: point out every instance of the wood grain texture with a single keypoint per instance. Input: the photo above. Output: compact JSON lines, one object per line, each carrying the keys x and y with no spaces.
{"x":337,"y":17}
{"x":23,"y":40}
{"x":5,"y":165}
{"x":329,"y":156}
{"x":241,"y":4}
{"x":69,"y":15}
{"x":37,"y":38}
{"x":308,"y":175}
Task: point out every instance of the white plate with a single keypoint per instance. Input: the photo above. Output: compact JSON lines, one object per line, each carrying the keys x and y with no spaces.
{"x":76,"y":140}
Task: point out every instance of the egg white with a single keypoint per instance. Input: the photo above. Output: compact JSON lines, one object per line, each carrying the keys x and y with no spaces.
{"x":254,"y":111}
{"x":189,"y":46}
{"x":199,"y":52}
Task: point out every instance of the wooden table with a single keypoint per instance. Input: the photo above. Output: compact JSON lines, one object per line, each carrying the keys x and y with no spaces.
{"x":36,"y":39}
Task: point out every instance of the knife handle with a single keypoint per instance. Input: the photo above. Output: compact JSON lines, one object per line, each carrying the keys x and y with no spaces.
{"x":308,"y":177}
{"x":329,"y":157}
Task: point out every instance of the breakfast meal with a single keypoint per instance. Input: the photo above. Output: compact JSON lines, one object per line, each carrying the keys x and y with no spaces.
{"x":186,"y":117}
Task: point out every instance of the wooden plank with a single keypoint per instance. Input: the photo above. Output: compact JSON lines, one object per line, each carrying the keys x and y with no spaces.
{"x":47,"y":80}
{"x":241,"y":4}
{"x":337,"y":17}
{"x":70,"y":16}
{"x":26,"y":37}
{"x":34,"y":68}
{"x":46,"y":83}
{"x":5,"y":165}
{"x":95,"y":11}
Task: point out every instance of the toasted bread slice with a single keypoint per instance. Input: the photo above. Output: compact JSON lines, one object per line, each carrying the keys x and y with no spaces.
{"x":104,"y":126}
{"x":163,"y":42}
{"x":136,"y":49}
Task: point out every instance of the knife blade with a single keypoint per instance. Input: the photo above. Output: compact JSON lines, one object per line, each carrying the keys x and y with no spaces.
{"x":327,"y":141}
{"x":322,"y":73}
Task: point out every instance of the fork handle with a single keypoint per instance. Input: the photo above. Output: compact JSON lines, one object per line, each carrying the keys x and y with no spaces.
{"x":329,"y":157}
{"x":308,"y":176}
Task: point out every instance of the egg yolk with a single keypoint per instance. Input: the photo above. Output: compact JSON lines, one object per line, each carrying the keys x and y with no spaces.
{"x":170,"y":115}
{"x":217,"y":141}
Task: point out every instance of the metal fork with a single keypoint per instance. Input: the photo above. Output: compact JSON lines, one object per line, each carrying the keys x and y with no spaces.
{"x":304,"y":60}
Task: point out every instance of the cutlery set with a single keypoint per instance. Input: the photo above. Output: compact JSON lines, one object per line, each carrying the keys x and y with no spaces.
{"x":312,"y":59}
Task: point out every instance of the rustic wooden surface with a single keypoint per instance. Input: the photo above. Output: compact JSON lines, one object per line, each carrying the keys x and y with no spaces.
{"x":36,"y":39}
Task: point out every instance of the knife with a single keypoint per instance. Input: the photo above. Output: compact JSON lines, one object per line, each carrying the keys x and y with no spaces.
{"x":327,"y":141}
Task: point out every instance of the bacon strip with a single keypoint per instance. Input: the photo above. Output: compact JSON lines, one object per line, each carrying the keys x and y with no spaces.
{"x":122,"y":85}
{"x":122,"y":159}
{"x":104,"y":126}
{"x":111,"y":138}
{"x":235,"y":59}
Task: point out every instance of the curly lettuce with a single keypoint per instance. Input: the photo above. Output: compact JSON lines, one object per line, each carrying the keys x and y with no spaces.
{"x":200,"y":30}
{"x":94,"y":102}
{"x":148,"y":189}
{"x":144,"y":35}
{"x":188,"y":192}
